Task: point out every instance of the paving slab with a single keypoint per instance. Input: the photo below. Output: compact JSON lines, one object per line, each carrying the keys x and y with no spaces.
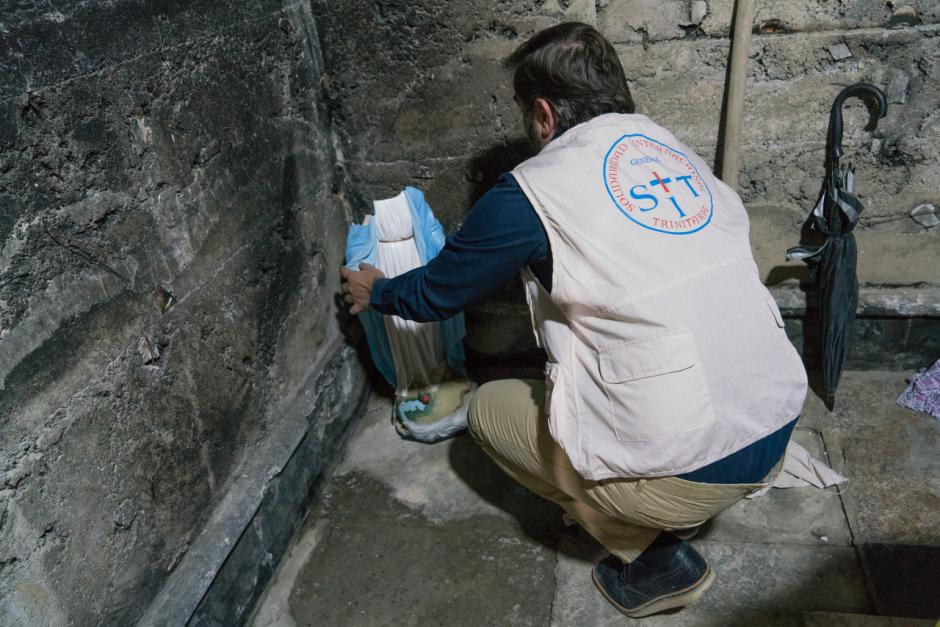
{"x":418,"y":475}
{"x":383,"y":563}
{"x":445,"y":482}
{"x":414,"y":534}
{"x":756,"y":584}
{"x":889,"y":455}
{"x":893,"y":494}
{"x":837,"y":619}
{"x":903,"y":579}
{"x":807,"y":515}
{"x":863,"y":398}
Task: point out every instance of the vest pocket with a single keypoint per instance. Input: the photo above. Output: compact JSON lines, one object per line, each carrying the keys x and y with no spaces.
{"x":656,"y":387}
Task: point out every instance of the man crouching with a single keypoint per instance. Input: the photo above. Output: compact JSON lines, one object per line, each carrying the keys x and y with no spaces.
{"x":671,"y":389}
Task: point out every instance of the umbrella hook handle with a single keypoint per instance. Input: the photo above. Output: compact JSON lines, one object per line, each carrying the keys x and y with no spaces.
{"x":858,"y":90}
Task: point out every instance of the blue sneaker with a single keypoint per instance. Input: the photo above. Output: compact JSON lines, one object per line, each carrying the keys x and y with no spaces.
{"x":638,"y":589}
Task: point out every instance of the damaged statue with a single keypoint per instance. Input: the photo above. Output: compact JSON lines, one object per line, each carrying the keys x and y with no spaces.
{"x":422,"y":361}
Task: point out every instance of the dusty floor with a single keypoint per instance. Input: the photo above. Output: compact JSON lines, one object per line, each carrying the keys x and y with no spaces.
{"x":410,"y":534}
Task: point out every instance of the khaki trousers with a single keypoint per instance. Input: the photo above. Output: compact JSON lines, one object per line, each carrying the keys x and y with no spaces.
{"x":508,"y":421}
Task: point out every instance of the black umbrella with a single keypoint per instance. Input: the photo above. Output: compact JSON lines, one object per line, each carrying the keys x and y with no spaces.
{"x":832,"y":264}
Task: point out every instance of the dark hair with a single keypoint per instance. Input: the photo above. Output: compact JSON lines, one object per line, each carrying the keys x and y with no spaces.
{"x":575,"y":69}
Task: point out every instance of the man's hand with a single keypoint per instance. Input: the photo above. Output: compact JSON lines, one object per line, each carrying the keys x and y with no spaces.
{"x":357,"y":286}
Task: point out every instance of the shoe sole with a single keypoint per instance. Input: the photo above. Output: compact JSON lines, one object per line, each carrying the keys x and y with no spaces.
{"x":677,"y":599}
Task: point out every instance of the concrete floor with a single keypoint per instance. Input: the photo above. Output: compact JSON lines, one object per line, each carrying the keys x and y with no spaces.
{"x":410,"y":534}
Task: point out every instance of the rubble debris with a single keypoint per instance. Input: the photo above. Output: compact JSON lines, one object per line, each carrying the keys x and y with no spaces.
{"x":897,"y":88}
{"x":925,"y":215}
{"x":163,"y":300}
{"x":839,"y":51}
{"x":904,"y":16}
{"x":698,"y":9}
{"x":148,"y":351}
{"x":140,"y":131}
{"x":772,"y":26}
{"x":125,"y":514}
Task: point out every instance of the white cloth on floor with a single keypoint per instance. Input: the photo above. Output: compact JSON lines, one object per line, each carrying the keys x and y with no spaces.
{"x":802,"y":469}
{"x":416,"y":347}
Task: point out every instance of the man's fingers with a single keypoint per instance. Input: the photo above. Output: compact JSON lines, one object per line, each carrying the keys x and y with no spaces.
{"x":349,"y":278}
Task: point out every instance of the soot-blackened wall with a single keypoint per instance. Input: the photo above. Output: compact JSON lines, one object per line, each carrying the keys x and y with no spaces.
{"x":169,"y":236}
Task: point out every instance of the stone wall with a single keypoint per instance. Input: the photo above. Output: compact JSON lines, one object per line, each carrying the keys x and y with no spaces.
{"x":426,"y":103}
{"x":801,"y":55}
{"x":169,"y":233}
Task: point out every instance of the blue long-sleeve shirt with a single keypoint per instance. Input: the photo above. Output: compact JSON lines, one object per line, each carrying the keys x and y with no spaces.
{"x":502,"y":234}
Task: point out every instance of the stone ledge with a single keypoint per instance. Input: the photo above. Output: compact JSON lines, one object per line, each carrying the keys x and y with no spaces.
{"x":897,"y":328}
{"x":875,"y":302}
{"x":235,"y":554}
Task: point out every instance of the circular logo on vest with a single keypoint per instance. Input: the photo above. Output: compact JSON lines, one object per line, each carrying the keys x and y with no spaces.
{"x":656,"y":186}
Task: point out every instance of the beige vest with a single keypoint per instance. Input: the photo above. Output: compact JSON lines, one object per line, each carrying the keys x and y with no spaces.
{"x":666,"y":352}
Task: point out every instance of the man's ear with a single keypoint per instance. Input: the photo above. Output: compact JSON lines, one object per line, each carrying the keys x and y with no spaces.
{"x":546,"y":122}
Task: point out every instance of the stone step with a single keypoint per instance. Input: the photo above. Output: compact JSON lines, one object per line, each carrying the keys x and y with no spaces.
{"x":838,"y":619}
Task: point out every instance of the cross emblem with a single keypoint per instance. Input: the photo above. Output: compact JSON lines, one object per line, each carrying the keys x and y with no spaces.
{"x":661,"y":181}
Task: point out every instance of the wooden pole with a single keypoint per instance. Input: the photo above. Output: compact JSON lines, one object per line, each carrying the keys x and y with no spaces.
{"x":737,"y":79}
